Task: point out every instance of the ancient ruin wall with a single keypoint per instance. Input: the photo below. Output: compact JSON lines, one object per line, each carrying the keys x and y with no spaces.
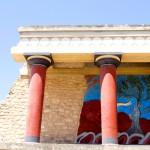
{"x":62,"y":107}
{"x":61,"y":113}
{"x":13,"y":112}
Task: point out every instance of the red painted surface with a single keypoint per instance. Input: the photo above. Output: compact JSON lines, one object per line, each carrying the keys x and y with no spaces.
{"x":108,"y":102}
{"x":122,"y":139}
{"x":145,"y":125}
{"x":90,"y":118}
{"x":36,"y":94}
{"x":124,"y":122}
{"x":134,"y":140}
{"x":90,"y":121}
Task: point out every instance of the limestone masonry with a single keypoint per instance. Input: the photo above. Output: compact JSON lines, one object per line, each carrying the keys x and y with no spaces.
{"x":61,"y":112}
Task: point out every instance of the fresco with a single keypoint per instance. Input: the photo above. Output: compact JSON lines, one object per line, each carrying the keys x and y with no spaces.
{"x":133,"y":105}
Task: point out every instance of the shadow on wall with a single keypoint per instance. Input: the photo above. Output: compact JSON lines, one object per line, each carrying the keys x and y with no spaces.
{"x":133,"y":105}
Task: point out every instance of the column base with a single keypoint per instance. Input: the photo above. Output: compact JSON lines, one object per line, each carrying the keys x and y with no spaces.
{"x":109,"y":141}
{"x":32,"y":139}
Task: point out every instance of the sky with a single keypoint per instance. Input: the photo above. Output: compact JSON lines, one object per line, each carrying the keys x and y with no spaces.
{"x":15,"y":13}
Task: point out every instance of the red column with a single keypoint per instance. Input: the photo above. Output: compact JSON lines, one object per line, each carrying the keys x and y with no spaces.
{"x":108,"y":104}
{"x":108,"y":65}
{"x":36,"y":95}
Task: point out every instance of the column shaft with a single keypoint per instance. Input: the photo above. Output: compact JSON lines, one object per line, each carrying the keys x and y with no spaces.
{"x":108,"y":104}
{"x":36,"y":94}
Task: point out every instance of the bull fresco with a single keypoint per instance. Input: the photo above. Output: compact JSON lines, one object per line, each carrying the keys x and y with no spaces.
{"x":133,"y":105}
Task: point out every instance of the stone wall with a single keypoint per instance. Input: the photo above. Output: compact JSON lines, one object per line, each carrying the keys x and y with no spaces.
{"x":62,"y":107}
{"x":61,"y":113}
{"x":13,"y":112}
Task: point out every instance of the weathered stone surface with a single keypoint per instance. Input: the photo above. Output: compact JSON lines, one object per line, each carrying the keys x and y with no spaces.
{"x":62,"y":107}
{"x":31,"y":146}
{"x":61,"y":110}
{"x":13,"y":112}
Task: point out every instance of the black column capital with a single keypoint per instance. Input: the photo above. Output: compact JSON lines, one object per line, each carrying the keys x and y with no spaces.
{"x":100,"y":60}
{"x":39,"y":60}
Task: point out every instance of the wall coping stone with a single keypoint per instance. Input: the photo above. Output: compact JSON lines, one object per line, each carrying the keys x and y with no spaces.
{"x":44,"y":146}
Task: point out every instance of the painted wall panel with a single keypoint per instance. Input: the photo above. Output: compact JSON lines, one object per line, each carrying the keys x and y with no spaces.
{"x":133,"y":105}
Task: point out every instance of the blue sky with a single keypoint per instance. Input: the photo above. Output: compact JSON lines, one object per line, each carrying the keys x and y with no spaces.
{"x":15,"y":13}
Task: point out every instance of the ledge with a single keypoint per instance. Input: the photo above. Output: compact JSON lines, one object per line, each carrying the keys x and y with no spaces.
{"x":31,"y":146}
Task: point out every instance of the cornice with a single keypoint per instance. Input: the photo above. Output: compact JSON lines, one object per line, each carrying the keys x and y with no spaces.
{"x":84,"y":31}
{"x":57,"y":40}
{"x":86,"y":44}
{"x":83,"y":27}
